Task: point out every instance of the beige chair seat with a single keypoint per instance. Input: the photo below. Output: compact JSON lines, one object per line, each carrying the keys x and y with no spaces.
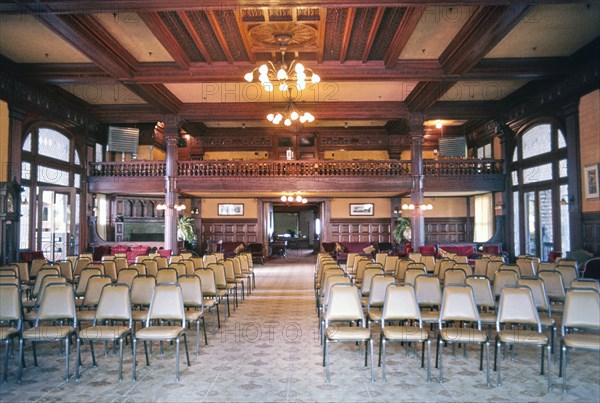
{"x":488,"y":318}
{"x":523,"y":336}
{"x":405,"y":333}
{"x":87,"y":315}
{"x":139,"y":315}
{"x":429,"y":316}
{"x":462,"y":334}
{"x":6,"y":332}
{"x":48,"y":332}
{"x":103,"y":332}
{"x":192,"y":315}
{"x":29,"y":304}
{"x":547,"y":321}
{"x":159,"y":332}
{"x":209,"y":303}
{"x":348,"y":333}
{"x":30,"y":316}
{"x":375,"y":316}
{"x":221,"y":292}
{"x":589,"y":341}
{"x":231,"y":286}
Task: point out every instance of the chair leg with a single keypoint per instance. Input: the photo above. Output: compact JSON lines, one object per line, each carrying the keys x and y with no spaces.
{"x":146,"y":352}
{"x":548,"y":353}
{"x":77,"y":359}
{"x":563,"y":366}
{"x":441,"y":350}
{"x":35,"y":363}
{"x":480,"y":357}
{"x":198,"y":337}
{"x":187,"y":353}
{"x":372,"y":359}
{"x":498,"y":363}
{"x":326,"y":359}
{"x":487,"y":362}
{"x":67,"y":344}
{"x":380,"y":342}
{"x":423,"y":354}
{"x":93,"y":354}
{"x":542,"y":361}
{"x":120,"y":359}
{"x":21,"y":341}
{"x":134,"y":346}
{"x":382,"y":352}
{"x":204,"y":329}
{"x":177,"y":359}
{"x":428,"y":360}
{"x":5,"y":377}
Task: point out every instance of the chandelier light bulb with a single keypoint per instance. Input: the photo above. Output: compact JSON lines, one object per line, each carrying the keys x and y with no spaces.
{"x":438,"y":124}
{"x":304,"y":201}
{"x":300,"y":85}
{"x":429,"y":207}
{"x":411,"y":206}
{"x":284,"y":198}
{"x":287,"y":122}
{"x":301,"y":77}
{"x":282,"y":75}
{"x":405,"y":206}
{"x":298,"y":198}
{"x":270,"y":117}
{"x":302,"y":119}
{"x":310,"y":117}
{"x":299,"y":68}
{"x":249,"y":77}
{"x":268,"y":86}
{"x":294,"y":115}
{"x":290,"y":198}
{"x":423,"y":207}
{"x":315,"y":78}
{"x":263,"y":69}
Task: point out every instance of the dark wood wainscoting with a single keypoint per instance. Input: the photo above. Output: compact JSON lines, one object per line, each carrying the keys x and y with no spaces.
{"x":360,"y":230}
{"x":591,"y":233}
{"x":229,"y":230}
{"x":447,"y":230}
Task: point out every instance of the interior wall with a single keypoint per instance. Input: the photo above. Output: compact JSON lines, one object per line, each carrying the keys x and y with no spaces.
{"x":340,"y":208}
{"x":284,"y":222}
{"x":443,"y":207}
{"x":235,"y":155}
{"x":589,"y":140}
{"x":356,"y":155}
{"x":4,"y":122}
{"x":210,"y":208}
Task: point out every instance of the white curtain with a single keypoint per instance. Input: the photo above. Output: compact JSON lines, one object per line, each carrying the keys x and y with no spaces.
{"x":484,"y":218}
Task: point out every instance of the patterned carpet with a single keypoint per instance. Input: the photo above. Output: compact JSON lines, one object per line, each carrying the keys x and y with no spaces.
{"x":269,"y":350}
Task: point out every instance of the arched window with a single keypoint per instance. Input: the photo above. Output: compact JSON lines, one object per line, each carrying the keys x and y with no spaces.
{"x":539,"y":182}
{"x":51,"y":173}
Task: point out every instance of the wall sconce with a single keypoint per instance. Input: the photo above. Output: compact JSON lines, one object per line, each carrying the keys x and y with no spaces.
{"x":422,"y":206}
{"x":163,"y":206}
{"x":195,"y":211}
{"x":498,"y":206}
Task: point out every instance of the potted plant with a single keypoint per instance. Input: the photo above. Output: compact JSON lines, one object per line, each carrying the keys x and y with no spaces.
{"x":402,"y":230}
{"x":185,"y":231}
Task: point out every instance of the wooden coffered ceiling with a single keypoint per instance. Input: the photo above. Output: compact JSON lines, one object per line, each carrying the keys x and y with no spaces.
{"x":137,"y":60}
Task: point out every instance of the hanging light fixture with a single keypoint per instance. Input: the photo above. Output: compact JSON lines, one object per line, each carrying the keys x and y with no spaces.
{"x":286,"y":77}
{"x":412,"y":206}
{"x":290,"y":114}
{"x":164,"y":206}
{"x":294,"y":198}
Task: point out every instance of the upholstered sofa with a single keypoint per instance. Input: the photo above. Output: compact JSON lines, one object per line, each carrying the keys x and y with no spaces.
{"x":131,"y":252}
{"x":343,"y":248}
{"x":228,"y":248}
{"x":468,"y":250}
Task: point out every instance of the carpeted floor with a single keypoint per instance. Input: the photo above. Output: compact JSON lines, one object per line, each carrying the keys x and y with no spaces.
{"x":269,"y":350}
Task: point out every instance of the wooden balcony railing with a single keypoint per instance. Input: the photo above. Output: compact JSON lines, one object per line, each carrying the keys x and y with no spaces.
{"x":271,"y":169}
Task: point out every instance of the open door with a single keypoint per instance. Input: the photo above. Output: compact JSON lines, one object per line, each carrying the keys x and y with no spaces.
{"x":55,"y":235}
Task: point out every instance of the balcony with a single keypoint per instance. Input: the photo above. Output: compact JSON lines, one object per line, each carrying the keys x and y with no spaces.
{"x":266,"y":175}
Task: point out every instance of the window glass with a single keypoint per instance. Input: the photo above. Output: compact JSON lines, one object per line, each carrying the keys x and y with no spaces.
{"x":516,"y":225}
{"x":24,"y":221}
{"x":561,"y":139}
{"x":99,"y":152}
{"x":562,"y":168}
{"x":53,"y":144}
{"x":515,"y":178}
{"x":77,"y":181}
{"x":515,"y":155}
{"x":27,"y":143}
{"x":76,"y":158}
{"x":25,"y":170}
{"x":537,"y":174}
{"x":52,"y":176}
{"x":565,"y":234}
{"x":536,"y":141}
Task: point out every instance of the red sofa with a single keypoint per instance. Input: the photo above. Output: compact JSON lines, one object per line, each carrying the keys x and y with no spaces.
{"x":130,"y":252}
{"x":341,"y":252}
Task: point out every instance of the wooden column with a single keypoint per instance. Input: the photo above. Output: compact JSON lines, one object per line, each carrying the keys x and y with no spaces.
{"x":171,"y":133}
{"x":571,"y":116}
{"x":416,"y":194}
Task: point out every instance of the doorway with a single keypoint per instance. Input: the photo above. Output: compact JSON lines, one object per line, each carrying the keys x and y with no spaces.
{"x":55,"y":235}
{"x":538,"y":222}
{"x":297,"y":226}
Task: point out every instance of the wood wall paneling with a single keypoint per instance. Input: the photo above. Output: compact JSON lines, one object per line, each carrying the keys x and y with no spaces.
{"x":591,"y":233}
{"x":446,"y":230}
{"x":360,"y":230}
{"x":229,"y":230}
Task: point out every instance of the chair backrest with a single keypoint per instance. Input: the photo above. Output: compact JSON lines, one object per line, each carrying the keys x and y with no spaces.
{"x":504,"y":278}
{"x":401,"y":267}
{"x":427,"y":291}
{"x":582,"y":309}
{"x":162,"y":262}
{"x":220,"y":278}
{"x":40,"y":278}
{"x":192,"y":291}
{"x":368,"y":274}
{"x":445,"y":264}
{"x":190,"y":267}
{"x":344,"y":304}
{"x":207,"y":259}
{"x":400,"y":304}
{"x":379,"y":284}
{"x":458,"y":304}
{"x":546,"y":266}
{"x":86,"y":273}
{"x":492,"y":268}
{"x":185,"y":255}
{"x":179,"y":267}
{"x":229,"y":270}
{"x":96,"y":265}
{"x":142,"y":288}
{"x":141,"y":258}
{"x":121,"y":263}
{"x":244,"y":264}
{"x":454,"y":276}
{"x":350,"y":259}
{"x":10,"y":304}
{"x":198,"y":262}
{"x":36,"y":265}
{"x":94,"y":289}
{"x":429,"y":262}
{"x":219,"y":256}
{"x":538,"y":291}
{"x":80,"y":264}
{"x":554,"y":284}
{"x":23,"y":271}
{"x":324,"y":284}
{"x":389,"y":265}
{"x":511,"y":267}
{"x":9,"y":277}
{"x":207,"y":281}
{"x":237,"y":266}
{"x":66,"y":269}
{"x":568,"y":262}
{"x":58,"y":302}
{"x":586,"y":283}
{"x":110,"y":269}
{"x":568,"y":272}
{"x":329,"y":281}
{"x":380,"y":258}
{"x":482,"y":290}
{"x":415,"y":257}
{"x":114,"y":304}
{"x":126,"y":276}
{"x":168,"y":275}
{"x":361,"y":266}
{"x":481,"y":267}
{"x":526,"y":267}
{"x":167,"y":304}
{"x":174,"y":259}
{"x":151,"y":266}
{"x":140,"y":267}
{"x":517,"y":306}
{"x":411,"y":275}
{"x":107,"y":258}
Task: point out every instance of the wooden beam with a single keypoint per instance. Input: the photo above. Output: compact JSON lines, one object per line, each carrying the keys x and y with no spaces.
{"x":192,"y":31}
{"x":245,"y":36}
{"x":321,"y":34}
{"x":219,"y":34}
{"x":426,"y":93}
{"x":372,"y":33}
{"x":347,"y":34}
{"x":158,"y":96}
{"x":409,"y":22}
{"x":166,"y":38}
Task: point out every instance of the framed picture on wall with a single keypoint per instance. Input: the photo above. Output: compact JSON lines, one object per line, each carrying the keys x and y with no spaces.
{"x":230,"y":209}
{"x":362,"y":209}
{"x":591,"y":182}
